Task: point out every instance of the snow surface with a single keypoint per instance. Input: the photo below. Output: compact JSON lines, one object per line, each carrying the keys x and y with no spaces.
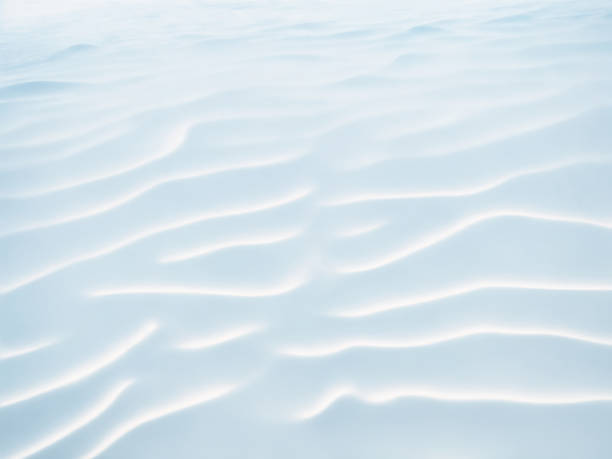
{"x":306,"y":229}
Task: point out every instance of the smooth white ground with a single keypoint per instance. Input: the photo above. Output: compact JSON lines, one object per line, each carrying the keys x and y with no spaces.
{"x":274,"y":229}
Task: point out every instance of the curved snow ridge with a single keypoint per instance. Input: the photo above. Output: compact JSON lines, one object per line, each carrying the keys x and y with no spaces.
{"x":117,"y":121}
{"x":183,"y":403}
{"x":400,"y":303}
{"x":443,"y":235}
{"x":499,"y":134}
{"x":324,"y":350}
{"x":9,"y":353}
{"x":143,"y":190}
{"x":288,"y":286}
{"x":231,"y":212}
{"x":219,"y":338}
{"x":359,"y":230}
{"x":76,"y":146}
{"x":83,"y":371}
{"x":385,"y":396}
{"x":172,"y":143}
{"x":65,"y":139}
{"x":252,"y":241}
{"x":467,"y":191}
{"x":93,"y":412}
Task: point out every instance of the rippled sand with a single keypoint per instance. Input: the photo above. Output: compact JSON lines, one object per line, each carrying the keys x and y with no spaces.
{"x":274,"y":229}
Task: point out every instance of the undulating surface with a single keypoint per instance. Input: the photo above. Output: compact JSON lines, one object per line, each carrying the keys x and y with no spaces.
{"x":275,"y":229}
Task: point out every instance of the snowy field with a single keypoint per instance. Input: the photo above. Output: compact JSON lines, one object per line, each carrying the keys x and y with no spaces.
{"x":306,"y":230}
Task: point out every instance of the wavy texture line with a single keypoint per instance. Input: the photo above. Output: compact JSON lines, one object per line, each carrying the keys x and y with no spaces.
{"x":331,"y":349}
{"x":463,"y":192}
{"x":287,"y":287}
{"x":218,"y":338}
{"x":171,"y":144}
{"x":84,"y":371}
{"x":117,"y":203}
{"x":154,"y":231}
{"x":379,"y":397}
{"x":156,"y":413}
{"x":360,"y":230}
{"x":98,"y":408}
{"x":457,"y":228}
{"x":239,"y":242}
{"x":465,"y":289}
{"x":16,"y":352}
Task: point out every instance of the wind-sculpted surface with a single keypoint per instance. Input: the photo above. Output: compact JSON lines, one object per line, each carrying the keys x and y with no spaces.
{"x":274,"y":229}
